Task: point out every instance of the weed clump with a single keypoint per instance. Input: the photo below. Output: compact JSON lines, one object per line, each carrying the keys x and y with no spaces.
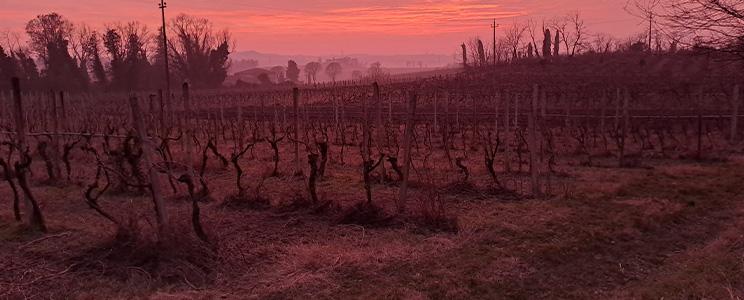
{"x":364,"y":213}
{"x":432,"y":214}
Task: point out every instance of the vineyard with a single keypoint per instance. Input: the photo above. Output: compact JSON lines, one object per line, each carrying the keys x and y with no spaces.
{"x":602,"y":175}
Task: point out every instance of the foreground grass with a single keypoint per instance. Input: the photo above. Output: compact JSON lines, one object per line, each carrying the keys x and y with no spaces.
{"x":670,"y":232}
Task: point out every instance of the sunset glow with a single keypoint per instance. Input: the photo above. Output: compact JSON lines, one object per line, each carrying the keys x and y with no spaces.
{"x":336,"y":26}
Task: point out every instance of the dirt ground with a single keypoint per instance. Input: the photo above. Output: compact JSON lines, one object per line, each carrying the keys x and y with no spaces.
{"x":671,"y":230}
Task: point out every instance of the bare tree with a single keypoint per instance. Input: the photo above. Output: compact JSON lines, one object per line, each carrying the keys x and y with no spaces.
{"x":513,"y":39}
{"x":712,"y":24}
{"x":278,"y":73}
{"x":375,"y":71}
{"x":80,"y":40}
{"x":311,"y":71}
{"x":501,"y":50}
{"x":333,"y":70}
{"x":200,"y":53}
{"x":478,"y":52}
{"x":602,"y":43}
{"x":532,"y":30}
{"x":572,"y":31}
{"x":646,"y":10}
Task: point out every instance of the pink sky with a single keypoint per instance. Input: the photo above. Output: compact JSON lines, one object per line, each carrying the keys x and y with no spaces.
{"x":335,"y":26}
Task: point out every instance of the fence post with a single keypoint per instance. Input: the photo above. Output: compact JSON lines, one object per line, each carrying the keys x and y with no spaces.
{"x":436,"y":97}
{"x":626,"y":124}
{"x":407,"y":139}
{"x":4,"y":106}
{"x":379,"y":127}
{"x":446,"y":128}
{"x":296,"y":105}
{"x":602,"y":103}
{"x":365,"y":131}
{"x":390,"y":110}
{"x":516,"y":111}
{"x":20,"y":127}
{"x":543,"y":103}
{"x":534,"y":171}
{"x":507,"y":137}
{"x":64,"y":124}
{"x":222,"y":112}
{"x":735,"y":113}
{"x":189,"y":129}
{"x":335,"y":112}
{"x":618,"y":98}
{"x":55,"y":138}
{"x":162,"y":110}
{"x":33,"y":211}
{"x":147,"y":146}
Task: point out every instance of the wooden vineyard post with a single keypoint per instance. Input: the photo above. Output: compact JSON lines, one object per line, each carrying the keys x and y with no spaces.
{"x":222,"y":112}
{"x":63,"y":123}
{"x":263,"y":110}
{"x":189,"y":129}
{"x":305,"y":107}
{"x":543,"y":103}
{"x":457,"y":115}
{"x":147,"y":147}
{"x":379,"y":127}
{"x":436,"y":97}
{"x":507,"y":136}
{"x":699,"y":153}
{"x":602,"y":103}
{"x":534,"y":170}
{"x":365,"y":131}
{"x":151,"y":104}
{"x":625,"y":128}
{"x":566,"y":109}
{"x":3,"y":104}
{"x":446,"y":129}
{"x":367,"y":162}
{"x":618,"y":99}
{"x":335,"y":113}
{"x":240,"y":125}
{"x":735,"y":113}
{"x":516,"y":111}
{"x":407,"y":140}
{"x":342,"y":121}
{"x":162,"y":110}
{"x":20,"y":127}
{"x":475,"y":120}
{"x":169,"y":108}
{"x":33,"y":211}
{"x":296,"y":105}
{"x":56,"y":137}
{"x":390,"y":110}
{"x":496,"y":103}
{"x":284,"y":116}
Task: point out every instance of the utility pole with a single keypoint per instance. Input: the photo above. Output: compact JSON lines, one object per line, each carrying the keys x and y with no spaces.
{"x":162,"y":6}
{"x":650,"y":23}
{"x":494,"y":26}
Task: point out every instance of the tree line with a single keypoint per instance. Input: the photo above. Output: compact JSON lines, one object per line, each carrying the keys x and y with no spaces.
{"x":117,"y":57}
{"x":699,"y":26}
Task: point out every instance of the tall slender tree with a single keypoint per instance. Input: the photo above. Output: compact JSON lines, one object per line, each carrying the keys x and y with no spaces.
{"x":293,"y":71}
{"x":546,"y":43}
{"x":49,"y":37}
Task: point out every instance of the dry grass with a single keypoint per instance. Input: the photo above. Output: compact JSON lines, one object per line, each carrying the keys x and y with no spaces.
{"x":670,"y":231}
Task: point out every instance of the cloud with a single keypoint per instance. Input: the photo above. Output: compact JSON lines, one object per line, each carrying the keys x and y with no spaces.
{"x":412,"y":18}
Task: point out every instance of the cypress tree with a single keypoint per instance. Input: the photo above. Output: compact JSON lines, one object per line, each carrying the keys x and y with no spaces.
{"x":547,"y":43}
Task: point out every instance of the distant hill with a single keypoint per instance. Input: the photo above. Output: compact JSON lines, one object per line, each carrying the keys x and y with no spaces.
{"x":246,"y":76}
{"x":390,"y":61}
